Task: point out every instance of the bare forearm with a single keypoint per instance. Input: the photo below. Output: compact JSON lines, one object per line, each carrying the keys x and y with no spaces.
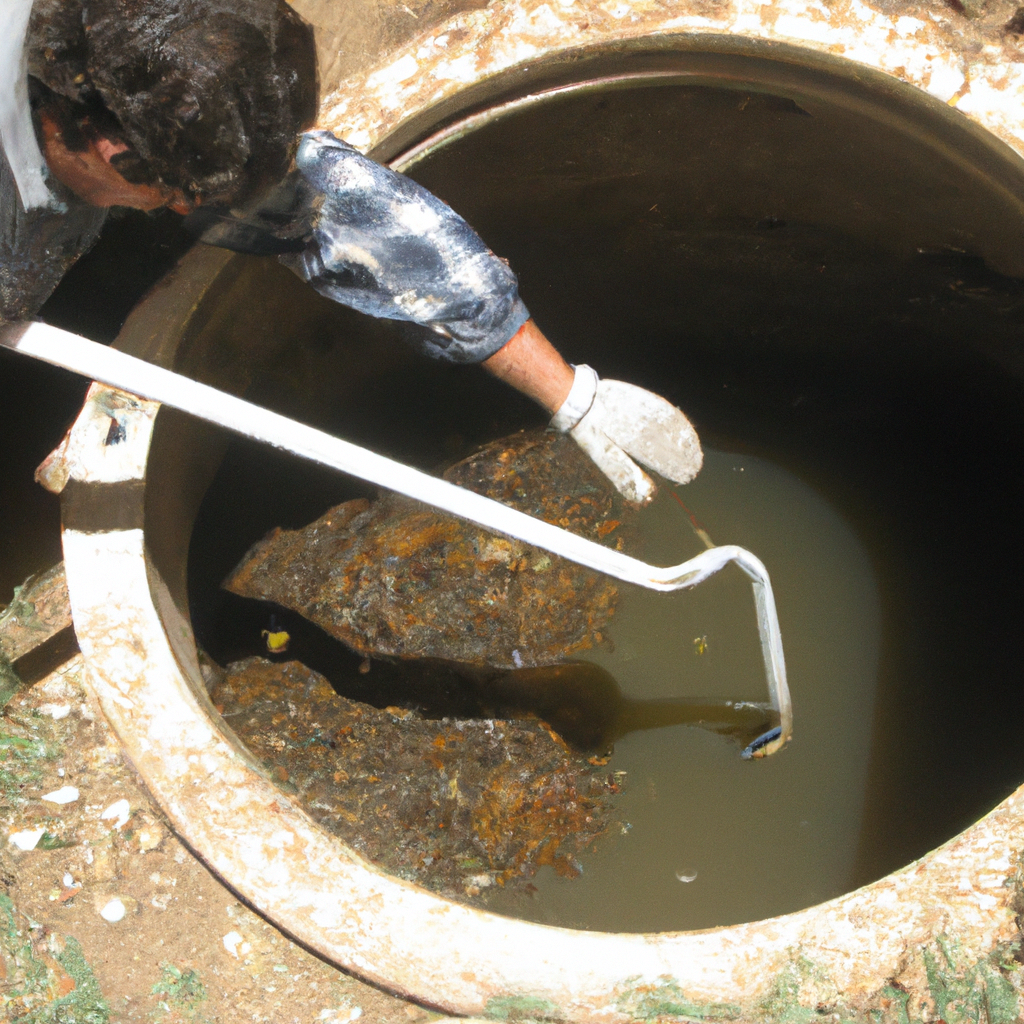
{"x":532,"y":365}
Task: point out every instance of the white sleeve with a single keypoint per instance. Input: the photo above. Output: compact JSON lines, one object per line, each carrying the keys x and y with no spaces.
{"x":17,"y":136}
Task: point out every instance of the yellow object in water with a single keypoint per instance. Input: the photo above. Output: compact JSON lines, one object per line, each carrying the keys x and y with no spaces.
{"x":277,"y":640}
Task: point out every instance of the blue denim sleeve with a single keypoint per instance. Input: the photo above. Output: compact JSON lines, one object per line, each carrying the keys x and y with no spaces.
{"x":386,"y":246}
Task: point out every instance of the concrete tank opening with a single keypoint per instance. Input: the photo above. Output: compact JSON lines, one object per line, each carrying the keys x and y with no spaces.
{"x":825,"y":272}
{"x":820,"y":266}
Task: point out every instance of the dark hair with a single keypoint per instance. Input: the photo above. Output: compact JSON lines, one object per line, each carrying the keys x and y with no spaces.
{"x":208,"y":94}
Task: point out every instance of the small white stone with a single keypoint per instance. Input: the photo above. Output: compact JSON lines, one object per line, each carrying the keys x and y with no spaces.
{"x":341,"y":1015}
{"x":56,"y":711}
{"x":235,"y":944}
{"x":27,"y":840}
{"x":64,"y":795}
{"x":68,"y":880}
{"x":120,"y":810}
{"x":149,"y":837}
{"x":113,"y":912}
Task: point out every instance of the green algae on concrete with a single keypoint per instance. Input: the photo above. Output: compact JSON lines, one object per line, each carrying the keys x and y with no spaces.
{"x":981,"y":992}
{"x":955,"y":992}
{"x":782,"y":1005}
{"x":667,"y":1000}
{"x":515,"y":1008}
{"x":989,"y":990}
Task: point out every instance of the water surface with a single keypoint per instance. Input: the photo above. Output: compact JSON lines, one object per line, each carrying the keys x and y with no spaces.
{"x":707,"y":838}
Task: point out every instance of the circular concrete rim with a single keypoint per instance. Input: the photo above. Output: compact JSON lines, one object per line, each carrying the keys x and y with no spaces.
{"x":143,"y":665}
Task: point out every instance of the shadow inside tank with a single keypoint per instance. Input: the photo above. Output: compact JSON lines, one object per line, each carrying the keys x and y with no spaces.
{"x":580,"y":701}
{"x":585,"y":705}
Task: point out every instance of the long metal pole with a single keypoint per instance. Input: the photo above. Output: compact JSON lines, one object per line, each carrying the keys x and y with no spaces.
{"x":120,"y":370}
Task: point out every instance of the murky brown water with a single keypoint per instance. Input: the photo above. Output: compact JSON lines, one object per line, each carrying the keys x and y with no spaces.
{"x":753,"y":838}
{"x":827,"y":277}
{"x":712,"y":839}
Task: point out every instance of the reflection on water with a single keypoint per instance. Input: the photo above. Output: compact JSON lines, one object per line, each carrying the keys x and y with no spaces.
{"x":673,"y":697}
{"x":762,"y":838}
{"x":584,"y":704}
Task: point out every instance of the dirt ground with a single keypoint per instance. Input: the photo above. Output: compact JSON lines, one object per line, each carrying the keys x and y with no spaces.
{"x":106,"y":917}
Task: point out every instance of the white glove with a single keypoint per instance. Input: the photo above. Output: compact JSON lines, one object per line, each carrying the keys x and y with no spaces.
{"x":612,"y":421}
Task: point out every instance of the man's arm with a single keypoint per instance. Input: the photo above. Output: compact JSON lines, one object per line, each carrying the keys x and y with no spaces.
{"x":384,"y":244}
{"x":377,"y":241}
{"x":613,"y":422}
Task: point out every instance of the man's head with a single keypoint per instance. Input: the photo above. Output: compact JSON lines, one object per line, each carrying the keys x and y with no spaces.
{"x":147,"y":102}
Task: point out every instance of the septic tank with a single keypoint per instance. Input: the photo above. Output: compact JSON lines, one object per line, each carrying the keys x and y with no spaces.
{"x":899,"y":134}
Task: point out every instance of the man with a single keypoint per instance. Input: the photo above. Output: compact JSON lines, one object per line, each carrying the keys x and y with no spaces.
{"x":195,"y":106}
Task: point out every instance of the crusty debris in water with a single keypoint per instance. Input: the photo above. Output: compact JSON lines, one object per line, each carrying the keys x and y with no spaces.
{"x":396,"y":578}
{"x":458,"y":806}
